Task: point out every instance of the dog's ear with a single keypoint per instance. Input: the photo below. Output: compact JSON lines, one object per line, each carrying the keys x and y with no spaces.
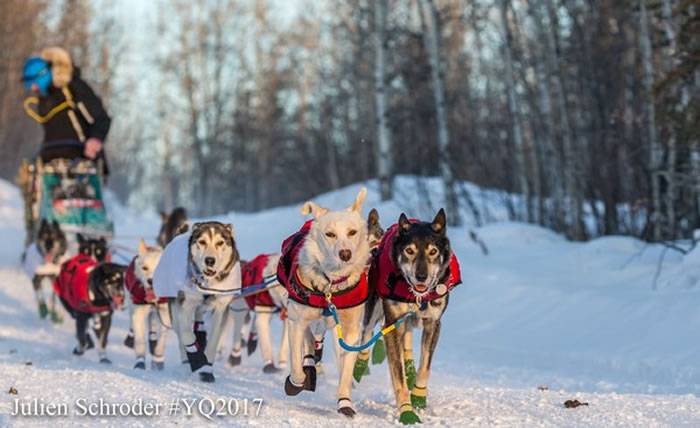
{"x":313,"y":209}
{"x":439,"y":224}
{"x":373,"y":218}
{"x":183,"y":228}
{"x":359,"y":200}
{"x":163,"y":216}
{"x":142,"y":247}
{"x":103,"y":241}
{"x":56,"y":225}
{"x":196,"y":226}
{"x":80,"y":238}
{"x":229,"y":227}
{"x":404,"y":224}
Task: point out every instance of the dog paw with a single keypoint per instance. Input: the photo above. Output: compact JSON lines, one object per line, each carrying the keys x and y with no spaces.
{"x":409,"y":417}
{"x":345,"y":407}
{"x":410,"y":373}
{"x":347,"y":411}
{"x":419,"y":402}
{"x":310,"y":381}
{"x":78,"y":351}
{"x":234,"y":360}
{"x":43,"y":310}
{"x":157,"y":365}
{"x":56,"y":318}
{"x":290,"y":388}
{"x":129,"y":341}
{"x":140,"y":365}
{"x":252,"y":344}
{"x":361,"y":369}
{"x":270,"y":368}
{"x":105,"y":360}
{"x":207,"y":377}
{"x":378,"y":352}
{"x":196,"y":358}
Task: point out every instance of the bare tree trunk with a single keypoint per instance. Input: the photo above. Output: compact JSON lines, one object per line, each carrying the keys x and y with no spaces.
{"x":383,"y":132}
{"x":431,"y":38}
{"x":655,"y":149}
{"x":514,"y":109}
{"x":573,"y":188}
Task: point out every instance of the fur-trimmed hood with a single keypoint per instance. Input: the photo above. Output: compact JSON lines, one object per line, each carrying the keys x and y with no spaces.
{"x":61,"y":65}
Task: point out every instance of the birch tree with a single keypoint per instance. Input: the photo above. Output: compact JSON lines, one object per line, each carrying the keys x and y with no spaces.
{"x":383,"y":131}
{"x":432,"y":47}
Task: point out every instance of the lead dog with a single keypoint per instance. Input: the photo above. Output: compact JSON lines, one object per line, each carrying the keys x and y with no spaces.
{"x":414,"y":271}
{"x":325,"y":259}
{"x":199,"y":272}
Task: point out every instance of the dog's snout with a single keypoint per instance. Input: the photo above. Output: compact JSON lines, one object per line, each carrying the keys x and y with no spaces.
{"x":421,"y":276}
{"x":345,"y":255}
{"x":209,"y":261}
{"x":150,"y":281}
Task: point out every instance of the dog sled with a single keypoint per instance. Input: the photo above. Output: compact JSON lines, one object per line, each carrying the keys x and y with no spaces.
{"x":68,"y":192}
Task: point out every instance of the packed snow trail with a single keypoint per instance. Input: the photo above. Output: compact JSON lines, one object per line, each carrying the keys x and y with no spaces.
{"x":580,"y":319}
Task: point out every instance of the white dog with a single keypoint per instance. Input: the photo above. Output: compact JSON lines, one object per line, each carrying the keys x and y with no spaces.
{"x":325,"y":260}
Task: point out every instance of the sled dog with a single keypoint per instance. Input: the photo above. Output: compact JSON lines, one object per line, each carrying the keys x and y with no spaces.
{"x":199,"y":272}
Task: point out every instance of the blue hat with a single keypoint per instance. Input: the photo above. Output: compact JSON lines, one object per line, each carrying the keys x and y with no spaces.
{"x":37,"y":71}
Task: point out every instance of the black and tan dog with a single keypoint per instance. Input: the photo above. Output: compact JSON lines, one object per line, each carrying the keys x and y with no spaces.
{"x":91,"y":289}
{"x":42,"y":262}
{"x":413,"y":272}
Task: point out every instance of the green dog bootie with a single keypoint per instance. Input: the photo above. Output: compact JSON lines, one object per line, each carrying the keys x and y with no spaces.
{"x":409,"y":417}
{"x":378,"y":352}
{"x":419,"y":397}
{"x":410,"y":373}
{"x":56,"y":318}
{"x":43,"y":310}
{"x":361,"y":369}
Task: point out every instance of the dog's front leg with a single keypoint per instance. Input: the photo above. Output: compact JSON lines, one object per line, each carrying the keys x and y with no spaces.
{"x":351,"y":323}
{"x":238,"y":312}
{"x":103,"y":336}
{"x":158,"y":361}
{"x":284,"y":344}
{"x":394,"y":350}
{"x":302,"y":367}
{"x":81,"y":333}
{"x":262,"y":324}
{"x":139,"y":313}
{"x":431,"y":334}
{"x":184,"y":308}
{"x":220,"y":306}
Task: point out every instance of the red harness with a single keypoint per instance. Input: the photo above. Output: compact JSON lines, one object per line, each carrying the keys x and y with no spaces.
{"x":72,"y":284}
{"x":288,"y":275}
{"x":252,"y":274}
{"x":140,"y":295}
{"x":389,"y":282}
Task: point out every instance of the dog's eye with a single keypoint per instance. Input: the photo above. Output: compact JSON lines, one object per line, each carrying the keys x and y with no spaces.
{"x":352,"y":232}
{"x":202,"y":242}
{"x":432,"y":252}
{"x":219,"y":244}
{"x":409,"y":251}
{"x":330,"y":235}
{"x":145,"y":268}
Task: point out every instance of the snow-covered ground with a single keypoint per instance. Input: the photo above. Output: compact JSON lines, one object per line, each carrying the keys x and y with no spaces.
{"x":582,"y":319}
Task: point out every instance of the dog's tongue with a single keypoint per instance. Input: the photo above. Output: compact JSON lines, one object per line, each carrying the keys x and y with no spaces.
{"x":420,"y":287}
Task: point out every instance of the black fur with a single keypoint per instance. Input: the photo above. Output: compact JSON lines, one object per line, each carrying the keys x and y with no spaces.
{"x":94,"y":247}
{"x":51,"y":240}
{"x":172,"y":225}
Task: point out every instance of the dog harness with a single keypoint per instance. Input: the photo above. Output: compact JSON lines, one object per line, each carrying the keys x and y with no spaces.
{"x":140,"y":295}
{"x":389,"y":282}
{"x":252,"y":274}
{"x":73,"y":282}
{"x":288,"y":275}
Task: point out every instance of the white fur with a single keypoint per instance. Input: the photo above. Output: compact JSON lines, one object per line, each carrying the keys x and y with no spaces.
{"x":319,"y":261}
